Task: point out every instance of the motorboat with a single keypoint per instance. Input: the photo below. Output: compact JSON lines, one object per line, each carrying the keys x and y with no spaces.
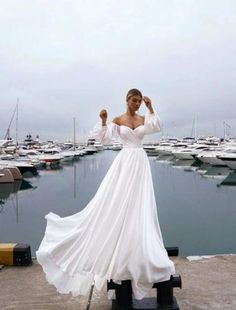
{"x":98,"y":145}
{"x":24,"y":167}
{"x":13,"y":170}
{"x":189,"y":152}
{"x":229,"y":158}
{"x":151,"y":149}
{"x":90,"y":150}
{"x":209,"y":156}
{"x":67,"y":156}
{"x":116,"y":146}
{"x":6,"y":176}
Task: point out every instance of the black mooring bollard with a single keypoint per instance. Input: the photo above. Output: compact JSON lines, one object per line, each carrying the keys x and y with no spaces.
{"x":123,"y":293}
{"x":172,"y":251}
{"x":165,"y":297}
{"x":177,"y":281}
{"x":165,"y":293}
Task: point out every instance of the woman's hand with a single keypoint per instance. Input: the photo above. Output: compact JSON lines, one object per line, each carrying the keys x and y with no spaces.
{"x":103,"y":115}
{"x":148,"y":103}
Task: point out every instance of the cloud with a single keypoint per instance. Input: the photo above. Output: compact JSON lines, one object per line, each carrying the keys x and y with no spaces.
{"x":66,"y":59}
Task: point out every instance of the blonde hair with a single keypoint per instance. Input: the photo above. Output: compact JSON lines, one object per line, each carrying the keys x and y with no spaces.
{"x":133,"y":92}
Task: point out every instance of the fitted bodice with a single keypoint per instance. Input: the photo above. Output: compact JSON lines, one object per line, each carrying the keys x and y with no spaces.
{"x":131,"y":137}
{"x":128,"y":136}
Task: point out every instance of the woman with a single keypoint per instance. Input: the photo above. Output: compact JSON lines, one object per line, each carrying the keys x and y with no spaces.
{"x":117,"y":235}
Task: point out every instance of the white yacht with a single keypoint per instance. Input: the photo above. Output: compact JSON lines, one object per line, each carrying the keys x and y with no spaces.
{"x":151,"y":149}
{"x":24,"y":167}
{"x":209,"y":156}
{"x":67,"y":155}
{"x":175,"y":148}
{"x":164,"y":148}
{"x":40,"y":157}
{"x":90,"y":150}
{"x":229,"y":158}
{"x":189,"y":152}
{"x":116,"y":146}
{"x":98,"y":145}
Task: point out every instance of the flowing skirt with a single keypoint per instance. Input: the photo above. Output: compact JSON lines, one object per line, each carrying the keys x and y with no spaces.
{"x":116,"y":236}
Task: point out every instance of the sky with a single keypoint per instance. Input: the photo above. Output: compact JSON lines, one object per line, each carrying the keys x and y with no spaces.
{"x":68,"y":59}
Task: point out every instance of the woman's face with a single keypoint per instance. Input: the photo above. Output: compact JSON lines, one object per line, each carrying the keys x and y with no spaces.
{"x":134,"y":102}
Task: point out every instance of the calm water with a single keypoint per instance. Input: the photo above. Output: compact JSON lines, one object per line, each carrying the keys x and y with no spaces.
{"x":194,"y":213}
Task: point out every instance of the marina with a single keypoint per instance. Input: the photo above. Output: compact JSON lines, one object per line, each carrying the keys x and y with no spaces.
{"x":195,"y":198}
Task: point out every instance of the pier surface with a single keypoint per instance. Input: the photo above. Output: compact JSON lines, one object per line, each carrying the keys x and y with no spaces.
{"x":208,"y":283}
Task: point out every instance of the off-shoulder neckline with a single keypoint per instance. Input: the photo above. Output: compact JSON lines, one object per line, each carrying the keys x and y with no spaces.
{"x":133,"y":129}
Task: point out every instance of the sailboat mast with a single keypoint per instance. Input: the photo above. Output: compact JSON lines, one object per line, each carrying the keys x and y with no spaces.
{"x":194,"y":127}
{"x":224,"y":129}
{"x":17,"y":121}
{"x":74,"y":133}
{"x":7,"y":136}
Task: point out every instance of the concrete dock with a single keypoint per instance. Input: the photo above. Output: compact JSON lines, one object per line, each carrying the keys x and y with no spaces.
{"x":209,"y":283}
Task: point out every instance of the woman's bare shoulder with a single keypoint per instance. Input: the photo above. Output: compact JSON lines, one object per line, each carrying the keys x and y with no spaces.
{"x":141,"y":117}
{"x":118,"y":119}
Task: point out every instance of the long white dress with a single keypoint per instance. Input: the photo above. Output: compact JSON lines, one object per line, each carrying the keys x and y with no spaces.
{"x":117,"y":235}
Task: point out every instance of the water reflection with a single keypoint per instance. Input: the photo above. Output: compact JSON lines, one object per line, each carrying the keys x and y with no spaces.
{"x":7,"y":189}
{"x":196,"y":213}
{"x":217,"y":172}
{"x":182,"y":163}
{"x":86,"y":166}
{"x":223,"y":173}
{"x":48,"y":169}
{"x":75,"y":187}
{"x":230,"y":180}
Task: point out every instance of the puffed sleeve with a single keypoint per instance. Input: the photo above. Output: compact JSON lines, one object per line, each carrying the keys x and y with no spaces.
{"x":105,"y":134}
{"x":152,"y":122}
